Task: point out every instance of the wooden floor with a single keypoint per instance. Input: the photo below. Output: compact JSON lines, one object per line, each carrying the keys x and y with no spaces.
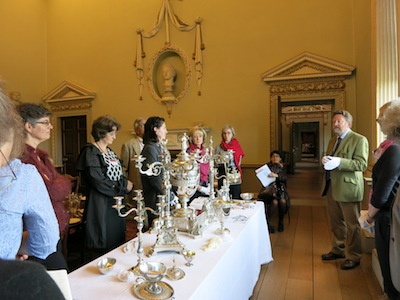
{"x":297,"y":271}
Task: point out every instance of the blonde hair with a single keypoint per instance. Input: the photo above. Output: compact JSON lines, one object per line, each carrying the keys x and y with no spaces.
{"x":195,"y":129}
{"x":390,"y":121}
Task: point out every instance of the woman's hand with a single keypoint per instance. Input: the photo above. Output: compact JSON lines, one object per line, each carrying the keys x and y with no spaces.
{"x":272,"y":174}
{"x":21,"y":256}
{"x":372,"y":211}
{"x":129,"y":186}
{"x":369,"y":219}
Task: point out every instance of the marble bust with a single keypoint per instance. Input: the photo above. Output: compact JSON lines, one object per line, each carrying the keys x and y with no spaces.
{"x":169,"y":74}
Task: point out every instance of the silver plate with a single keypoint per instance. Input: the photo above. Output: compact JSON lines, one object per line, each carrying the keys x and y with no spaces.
{"x":174,"y":274}
{"x":142,"y":293}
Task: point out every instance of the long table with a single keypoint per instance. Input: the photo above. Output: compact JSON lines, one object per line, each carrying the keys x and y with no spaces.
{"x":229,"y":272}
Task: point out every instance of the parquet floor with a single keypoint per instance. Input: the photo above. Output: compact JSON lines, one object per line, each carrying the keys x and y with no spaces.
{"x":297,"y":271}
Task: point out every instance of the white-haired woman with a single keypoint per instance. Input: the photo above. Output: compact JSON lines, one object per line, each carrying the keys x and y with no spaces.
{"x":229,"y":142}
{"x":385,"y":181}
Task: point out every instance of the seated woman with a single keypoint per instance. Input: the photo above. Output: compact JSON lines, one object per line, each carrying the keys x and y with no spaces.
{"x":102,"y":173}
{"x":197,"y":136}
{"x":24,"y":198}
{"x":275,"y":196}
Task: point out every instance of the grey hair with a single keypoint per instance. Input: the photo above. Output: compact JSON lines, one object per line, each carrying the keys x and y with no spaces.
{"x":227,"y":126}
{"x":137,"y":121}
{"x":347,"y":116}
{"x":390,"y":121}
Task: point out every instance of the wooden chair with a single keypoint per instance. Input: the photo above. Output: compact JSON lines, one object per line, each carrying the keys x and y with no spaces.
{"x":73,"y":206}
{"x":76,"y":182}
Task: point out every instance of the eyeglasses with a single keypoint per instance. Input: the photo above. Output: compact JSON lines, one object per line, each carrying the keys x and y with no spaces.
{"x":12,"y":171}
{"x":47,"y":123}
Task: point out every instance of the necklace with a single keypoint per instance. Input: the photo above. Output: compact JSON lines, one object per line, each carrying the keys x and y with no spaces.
{"x":101,"y":149}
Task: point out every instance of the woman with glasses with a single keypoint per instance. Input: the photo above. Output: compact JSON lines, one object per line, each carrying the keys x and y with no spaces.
{"x":102,"y":174}
{"x":24,"y":198}
{"x":38,"y":128}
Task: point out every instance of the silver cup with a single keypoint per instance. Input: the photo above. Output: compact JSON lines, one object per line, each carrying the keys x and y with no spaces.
{"x":153,"y":272}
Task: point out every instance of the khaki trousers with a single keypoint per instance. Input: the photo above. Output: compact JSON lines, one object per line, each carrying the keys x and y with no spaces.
{"x":346,"y":231}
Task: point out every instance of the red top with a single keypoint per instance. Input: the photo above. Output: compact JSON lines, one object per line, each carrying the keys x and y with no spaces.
{"x":204,"y":167}
{"x":238,"y":152}
{"x":57,"y":185}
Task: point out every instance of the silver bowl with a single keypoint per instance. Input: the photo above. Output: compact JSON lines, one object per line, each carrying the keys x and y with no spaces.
{"x":247,"y":196}
{"x":106,"y":264}
{"x":153,"y":271}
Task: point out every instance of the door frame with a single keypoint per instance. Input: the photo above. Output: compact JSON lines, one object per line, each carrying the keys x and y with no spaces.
{"x":68,"y":99}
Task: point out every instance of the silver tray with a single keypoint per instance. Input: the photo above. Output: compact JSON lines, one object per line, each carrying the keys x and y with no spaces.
{"x":174,"y":274}
{"x":142,"y":293}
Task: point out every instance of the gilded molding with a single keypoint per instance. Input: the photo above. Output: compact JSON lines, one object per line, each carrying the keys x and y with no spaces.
{"x":302,"y":87}
{"x":69,"y":106}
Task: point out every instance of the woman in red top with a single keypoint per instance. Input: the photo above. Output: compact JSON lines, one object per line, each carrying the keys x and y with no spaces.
{"x":197,"y":136}
{"x":37,"y":130}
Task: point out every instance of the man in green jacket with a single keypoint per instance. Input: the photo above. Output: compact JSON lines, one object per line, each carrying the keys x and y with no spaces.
{"x":346,"y":160}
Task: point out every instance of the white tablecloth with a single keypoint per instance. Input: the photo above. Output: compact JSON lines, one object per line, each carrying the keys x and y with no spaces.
{"x":229,"y":272}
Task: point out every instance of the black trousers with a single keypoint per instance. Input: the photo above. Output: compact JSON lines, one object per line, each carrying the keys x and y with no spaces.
{"x":382,"y":241}
{"x":54,"y":261}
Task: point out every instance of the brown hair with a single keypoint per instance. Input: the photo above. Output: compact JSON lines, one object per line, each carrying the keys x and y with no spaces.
{"x":103,"y":125}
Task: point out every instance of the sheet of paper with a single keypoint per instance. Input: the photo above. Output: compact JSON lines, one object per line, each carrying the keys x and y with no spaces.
{"x":61,"y":279}
{"x":262,"y":174}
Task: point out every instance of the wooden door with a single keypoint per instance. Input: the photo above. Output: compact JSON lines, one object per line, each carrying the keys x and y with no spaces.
{"x":74,"y":137}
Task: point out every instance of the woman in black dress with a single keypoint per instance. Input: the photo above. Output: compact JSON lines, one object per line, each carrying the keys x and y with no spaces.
{"x":275,"y":196}
{"x":102,"y":174}
{"x":155,"y":131}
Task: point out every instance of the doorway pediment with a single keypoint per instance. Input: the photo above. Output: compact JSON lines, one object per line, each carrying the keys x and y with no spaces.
{"x":307,"y":65}
{"x":68,"y":95}
{"x":68,"y":99}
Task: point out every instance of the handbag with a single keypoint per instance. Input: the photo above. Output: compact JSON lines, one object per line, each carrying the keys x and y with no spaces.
{"x":268,"y":193}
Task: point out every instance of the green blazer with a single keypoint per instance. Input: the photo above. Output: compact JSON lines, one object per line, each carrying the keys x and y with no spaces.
{"x":347,"y":180}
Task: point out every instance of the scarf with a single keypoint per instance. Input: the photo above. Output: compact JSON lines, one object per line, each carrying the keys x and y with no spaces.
{"x":237,"y":151}
{"x":204,"y":167}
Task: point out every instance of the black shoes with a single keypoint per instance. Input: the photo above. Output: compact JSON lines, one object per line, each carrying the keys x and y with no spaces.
{"x":332,"y":256}
{"x":349,"y":264}
{"x":271,"y":229}
{"x":280,"y":227}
